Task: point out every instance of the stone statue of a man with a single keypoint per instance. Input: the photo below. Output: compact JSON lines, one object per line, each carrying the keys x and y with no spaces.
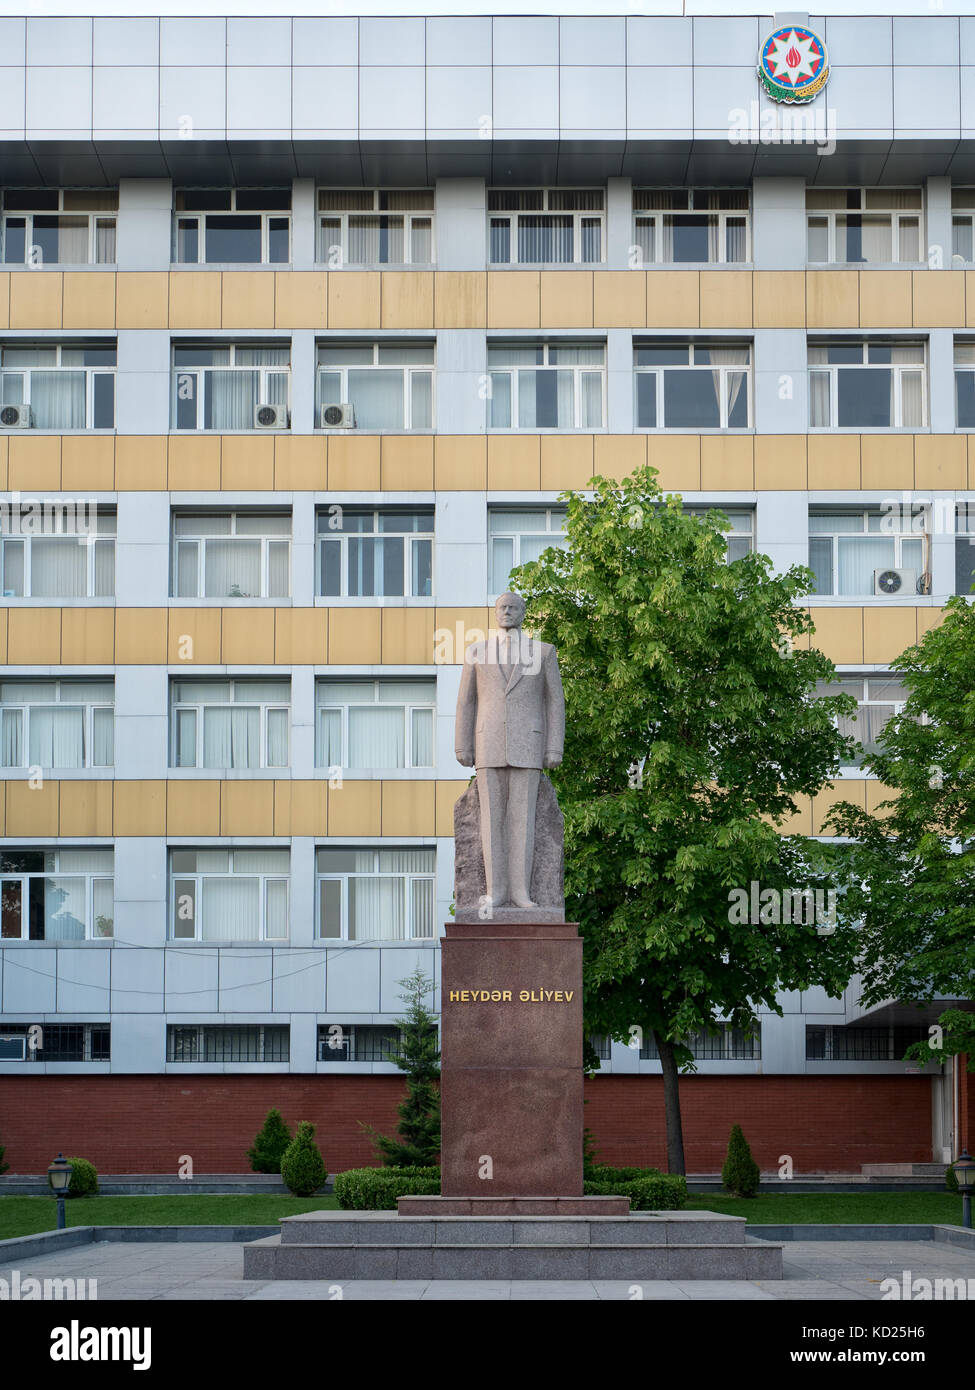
{"x":510,"y":724}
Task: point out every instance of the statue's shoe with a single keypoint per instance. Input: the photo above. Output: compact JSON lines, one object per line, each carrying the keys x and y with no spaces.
{"x":523,"y":902}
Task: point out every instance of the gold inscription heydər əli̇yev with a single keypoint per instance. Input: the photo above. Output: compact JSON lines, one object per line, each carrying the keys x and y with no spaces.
{"x":504,"y":996}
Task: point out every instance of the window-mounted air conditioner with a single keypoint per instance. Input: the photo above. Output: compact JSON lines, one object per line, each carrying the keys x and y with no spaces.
{"x":270,"y":417}
{"x":338,"y":416}
{"x":15,"y":417}
{"x":891,"y":581}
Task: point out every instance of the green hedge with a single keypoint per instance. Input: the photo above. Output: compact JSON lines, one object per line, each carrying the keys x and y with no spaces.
{"x":650,"y":1192}
{"x":84,"y":1178}
{"x":376,"y":1189}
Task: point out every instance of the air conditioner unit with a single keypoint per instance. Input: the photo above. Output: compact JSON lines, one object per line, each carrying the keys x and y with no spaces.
{"x":270,"y":417}
{"x":891,"y":581}
{"x":15,"y":417}
{"x":340,"y":416}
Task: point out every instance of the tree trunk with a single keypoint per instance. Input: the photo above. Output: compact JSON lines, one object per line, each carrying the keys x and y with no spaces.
{"x":675,"y":1132}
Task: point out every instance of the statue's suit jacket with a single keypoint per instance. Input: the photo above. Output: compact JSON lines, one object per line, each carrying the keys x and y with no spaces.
{"x":514,"y":723}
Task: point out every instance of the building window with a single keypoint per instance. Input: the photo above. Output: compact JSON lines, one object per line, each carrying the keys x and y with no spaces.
{"x":220,"y":1042}
{"x":964,"y":547}
{"x":835,"y":1044}
{"x":545,"y":226}
{"x":692,"y":386}
{"x":724,"y":1044}
{"x":375,"y":226}
{"x":236,"y":386}
{"x":70,"y":226}
{"x":375,"y":724}
{"x":230,"y":724}
{"x":61,"y":386}
{"x":867,"y":386}
{"x":232,"y":226}
{"x":704,"y":226}
{"x":365,"y":554}
{"x":56,"y":1042}
{"x":546,"y":386}
{"x":962,"y":224}
{"x":965,"y":386}
{"x":359,"y":1042}
{"x":601,"y":1045}
{"x":229,"y":894}
{"x":231,"y":555}
{"x":864,"y":226}
{"x":517,"y":536}
{"x":388,"y":385}
{"x":739,"y":533}
{"x":57,"y":723}
{"x":62,"y":559}
{"x":375,"y":895}
{"x":878,"y":698}
{"x":57,"y":894}
{"x":848,"y":550}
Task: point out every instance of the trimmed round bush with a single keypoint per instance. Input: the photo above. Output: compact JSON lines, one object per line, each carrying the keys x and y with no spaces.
{"x":270,"y":1145}
{"x":302,"y":1166}
{"x":84,"y":1178}
{"x":376,"y":1189}
{"x":651,"y":1192}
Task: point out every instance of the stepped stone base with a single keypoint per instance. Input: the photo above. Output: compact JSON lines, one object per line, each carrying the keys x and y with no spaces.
{"x":513,"y":1206}
{"x":386,"y":1245}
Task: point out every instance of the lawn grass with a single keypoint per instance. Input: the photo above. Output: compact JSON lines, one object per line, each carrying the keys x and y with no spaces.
{"x":839,"y":1208}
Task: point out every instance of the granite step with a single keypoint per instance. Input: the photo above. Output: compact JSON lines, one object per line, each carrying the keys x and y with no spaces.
{"x":333,"y":1228}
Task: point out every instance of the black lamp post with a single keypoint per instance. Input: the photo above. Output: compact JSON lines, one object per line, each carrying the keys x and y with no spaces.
{"x":964,"y":1169}
{"x":59,"y":1175}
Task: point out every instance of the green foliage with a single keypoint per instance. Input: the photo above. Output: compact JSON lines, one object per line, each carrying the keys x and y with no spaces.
{"x":269,"y":1146}
{"x":376,"y":1189}
{"x":3,"y":1166}
{"x":589,"y":1159}
{"x":740,"y":1175}
{"x":419,"y":1057}
{"x":911,"y":868}
{"x":84,"y":1178}
{"x":951,"y":1180}
{"x":302,"y":1166}
{"x":650,"y":1192}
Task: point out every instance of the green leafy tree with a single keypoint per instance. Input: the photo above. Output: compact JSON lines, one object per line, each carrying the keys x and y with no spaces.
{"x":911,"y":865}
{"x":690,"y":729}
{"x":3,"y":1166}
{"x":740,"y":1175}
{"x":302,"y":1166}
{"x":418,"y":1056}
{"x":272,"y":1140}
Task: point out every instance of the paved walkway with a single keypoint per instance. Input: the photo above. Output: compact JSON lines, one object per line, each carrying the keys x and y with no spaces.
{"x":832,"y":1270}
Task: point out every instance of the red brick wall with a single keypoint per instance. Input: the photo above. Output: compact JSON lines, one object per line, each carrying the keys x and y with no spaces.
{"x":143,"y":1124}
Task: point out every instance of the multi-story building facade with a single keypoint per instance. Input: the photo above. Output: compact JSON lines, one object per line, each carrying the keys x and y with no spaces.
{"x":304,"y":326}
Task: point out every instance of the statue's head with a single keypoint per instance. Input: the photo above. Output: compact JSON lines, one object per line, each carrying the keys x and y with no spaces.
{"x":509,"y":610}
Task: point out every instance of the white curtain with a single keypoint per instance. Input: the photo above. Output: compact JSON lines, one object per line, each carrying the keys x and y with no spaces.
{"x":377,"y":909}
{"x":375,"y":240}
{"x":859,"y":556}
{"x":645,"y":240}
{"x":877,"y":246}
{"x":231,"y":738}
{"x":422,"y":751}
{"x":728,"y":357}
{"x":277,"y":738}
{"x":11,"y":739}
{"x":377,"y":397}
{"x":231,"y":909}
{"x":232,"y":396}
{"x":330,"y":738}
{"x":278,"y":566}
{"x":421,"y":913}
{"x":59,"y":567}
{"x":376,"y":737}
{"x":57,"y":737}
{"x":103,"y":900}
{"x":73,"y":240}
{"x":544,"y":238}
{"x":736,"y":238}
{"x":232,"y":564}
{"x":64,"y":909}
{"x":912,"y":389}
{"x":105,"y":242}
{"x":591,"y":384}
{"x":58,"y":399}
{"x":103,"y":754}
{"x":277,"y":909}
{"x":421,"y":400}
{"x":819,"y":400}
{"x":421,"y":241}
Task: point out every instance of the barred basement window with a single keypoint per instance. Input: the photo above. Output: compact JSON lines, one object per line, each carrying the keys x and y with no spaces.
{"x":835,"y":1044}
{"x":213,"y":1042}
{"x":56,"y":1042}
{"x":358,"y":1042}
{"x":725,"y":1045}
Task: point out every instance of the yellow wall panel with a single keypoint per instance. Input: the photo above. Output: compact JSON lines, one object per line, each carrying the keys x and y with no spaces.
{"x":247,"y":299}
{"x":460,"y":299}
{"x":887,"y":461}
{"x":35,"y":299}
{"x":32,"y":810}
{"x":34,"y":463}
{"x":780,"y":462}
{"x":4,"y":301}
{"x":246,"y":808}
{"x":928,"y":618}
{"x":407,"y":298}
{"x":354,"y":636}
{"x":300,"y":299}
{"x":87,"y":636}
{"x":407,"y":636}
{"x":887,"y":632}
{"x":448,"y":794}
{"x":301,"y":636}
{"x":247,"y":636}
{"x":567,"y":461}
{"x":677,"y":459}
{"x":3,"y":634}
{"x":460,"y":462}
{"x":876,"y":794}
{"x":140,"y":636}
{"x":886,"y":299}
{"x":939,"y":298}
{"x":456,"y":629}
{"x":88,"y":299}
{"x":620,"y":298}
{"x":618,"y":455}
{"x":800,"y":822}
{"x":566,"y":298}
{"x":142,"y":299}
{"x":727,"y":463}
{"x":408,"y":808}
{"x":299,"y":462}
{"x":140,"y":808}
{"x":832,"y":299}
{"x":839,"y":633}
{"x":779,"y":299}
{"x":514,"y":463}
{"x":726,"y":298}
{"x":354,"y":299}
{"x":4,"y":446}
{"x":940,"y":461}
{"x":513,"y":299}
{"x":85,"y":808}
{"x":194,"y":463}
{"x":969,"y":299}
{"x":88,"y":463}
{"x":247,"y":463}
{"x":192,"y":807}
{"x":353,"y":463}
{"x":827,"y":800}
{"x":194,"y":299}
{"x":194,"y":636}
{"x":141,"y":462}
{"x":355,"y":808}
{"x":406,"y":463}
{"x":299,"y":807}
{"x":834,"y":461}
{"x":673,"y":299}
{"x":34,"y":636}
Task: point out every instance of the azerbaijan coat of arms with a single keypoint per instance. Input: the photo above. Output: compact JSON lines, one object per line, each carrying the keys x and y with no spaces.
{"x":793,"y":66}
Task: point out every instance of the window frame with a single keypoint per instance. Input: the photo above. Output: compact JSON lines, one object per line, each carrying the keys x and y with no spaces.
{"x":513,"y":217}
{"x":199,"y":1046}
{"x":552,"y":512}
{"x":832,"y":370}
{"x":413,"y":537}
{"x":199,"y":217}
{"x":351,"y":1034}
{"x":266,"y":540}
{"x":898,"y":537}
{"x":104,"y":538}
{"x":513,"y":372}
{"x":91,"y":877}
{"x":655,"y":216}
{"x":199,"y":372}
{"x":408,"y":370}
{"x":409,"y":879}
{"x":659,"y":370}
{"x":409,"y":215}
{"x":95,"y":216}
{"x":198,"y":878}
{"x":896,"y":215}
{"x":90,"y":373}
{"x":39,"y":1054}
{"x":198,"y":708}
{"x":844,"y":679}
{"x":409,"y":711}
{"x":89,"y":711}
